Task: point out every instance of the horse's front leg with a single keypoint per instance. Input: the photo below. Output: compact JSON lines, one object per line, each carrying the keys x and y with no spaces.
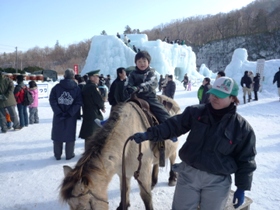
{"x":172,"y":175}
{"x":126,"y":194}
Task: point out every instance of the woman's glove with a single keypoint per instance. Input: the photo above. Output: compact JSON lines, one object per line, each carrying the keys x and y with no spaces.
{"x":239,"y":197}
{"x":139,"y":137}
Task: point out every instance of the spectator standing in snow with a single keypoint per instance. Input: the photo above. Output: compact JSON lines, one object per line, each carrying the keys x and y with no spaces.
{"x":277,"y":80}
{"x":93,"y":105}
{"x":108,"y":81}
{"x":251,"y":75}
{"x":170,"y":87}
{"x":202,"y":95}
{"x":19,"y":95}
{"x":256,"y":85}
{"x":246,"y":83}
{"x":163,"y":84}
{"x":7,"y":102}
{"x":33,"y":108}
{"x":161,"y":79}
{"x":220,"y":143}
{"x":116,"y":93}
{"x":220,"y":74}
{"x":185,"y":81}
{"x":65,"y":100}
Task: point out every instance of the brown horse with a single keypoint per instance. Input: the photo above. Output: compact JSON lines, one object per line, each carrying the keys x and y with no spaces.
{"x":85,"y":186}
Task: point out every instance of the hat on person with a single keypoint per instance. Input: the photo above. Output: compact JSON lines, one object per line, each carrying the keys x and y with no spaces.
{"x":93,"y":73}
{"x":224,"y":87}
{"x":170,"y":76}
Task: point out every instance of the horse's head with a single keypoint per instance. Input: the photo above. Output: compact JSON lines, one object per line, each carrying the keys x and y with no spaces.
{"x":76,"y":192}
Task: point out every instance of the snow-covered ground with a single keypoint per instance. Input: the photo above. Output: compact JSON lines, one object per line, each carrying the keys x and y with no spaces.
{"x":30,"y":176}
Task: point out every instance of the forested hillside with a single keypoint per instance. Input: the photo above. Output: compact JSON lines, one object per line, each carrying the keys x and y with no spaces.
{"x":213,"y":38}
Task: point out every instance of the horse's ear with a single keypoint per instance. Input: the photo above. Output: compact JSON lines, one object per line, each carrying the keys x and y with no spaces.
{"x":66,"y":170}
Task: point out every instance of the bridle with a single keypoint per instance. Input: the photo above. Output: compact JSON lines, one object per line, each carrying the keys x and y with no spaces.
{"x":136,"y":174}
{"x":89,"y":192}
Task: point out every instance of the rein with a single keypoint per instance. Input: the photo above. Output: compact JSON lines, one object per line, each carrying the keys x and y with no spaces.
{"x":91,"y":193}
{"x":136,"y":174}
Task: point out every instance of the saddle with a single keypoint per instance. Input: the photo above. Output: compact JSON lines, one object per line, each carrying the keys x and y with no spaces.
{"x":144,"y":105}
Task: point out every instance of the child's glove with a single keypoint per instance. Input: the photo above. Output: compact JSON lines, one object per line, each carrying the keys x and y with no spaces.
{"x":132,"y":89}
{"x":139,"y":137}
{"x":239,"y":197}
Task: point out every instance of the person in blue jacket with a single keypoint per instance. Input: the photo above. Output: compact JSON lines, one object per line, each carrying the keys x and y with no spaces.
{"x":220,"y":143}
{"x":65,"y":100}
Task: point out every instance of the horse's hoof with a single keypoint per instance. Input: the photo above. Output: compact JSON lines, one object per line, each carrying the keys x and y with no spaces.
{"x":172,"y":183}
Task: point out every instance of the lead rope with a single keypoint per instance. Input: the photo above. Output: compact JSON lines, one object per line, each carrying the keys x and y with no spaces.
{"x":136,"y":174}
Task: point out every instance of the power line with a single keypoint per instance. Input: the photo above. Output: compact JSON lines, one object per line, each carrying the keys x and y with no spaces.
{"x":9,"y":47}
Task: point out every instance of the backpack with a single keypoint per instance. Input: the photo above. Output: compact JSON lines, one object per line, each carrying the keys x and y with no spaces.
{"x":27,"y":98}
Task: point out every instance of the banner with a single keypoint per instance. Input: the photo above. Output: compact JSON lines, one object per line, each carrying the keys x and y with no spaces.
{"x":260,"y":68}
{"x":76,"y":69}
{"x":43,"y":90}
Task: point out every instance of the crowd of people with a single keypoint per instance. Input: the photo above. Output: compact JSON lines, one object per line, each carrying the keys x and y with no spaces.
{"x":176,"y":41}
{"x":220,"y":141}
{"x":12,"y":96}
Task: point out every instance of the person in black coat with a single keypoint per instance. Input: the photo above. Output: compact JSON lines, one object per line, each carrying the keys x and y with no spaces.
{"x":116,"y":92}
{"x":108,"y":81}
{"x":220,"y":142}
{"x":93,"y":103}
{"x":277,"y":79}
{"x":170,"y":87}
{"x":161,"y":79}
{"x":246,"y":83}
{"x":144,"y":82}
{"x":256,"y":85}
{"x":65,"y":100}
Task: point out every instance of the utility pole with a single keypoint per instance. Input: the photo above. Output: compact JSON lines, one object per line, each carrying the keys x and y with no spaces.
{"x":16,"y":61}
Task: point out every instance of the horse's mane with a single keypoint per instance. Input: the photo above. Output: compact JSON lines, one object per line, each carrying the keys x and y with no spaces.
{"x":84,"y":166}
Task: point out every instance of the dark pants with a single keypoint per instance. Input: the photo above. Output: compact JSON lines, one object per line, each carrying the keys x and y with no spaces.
{"x":158,"y":110}
{"x":23,"y":116}
{"x":13,"y":115}
{"x":58,"y":147}
{"x":256,"y":95}
{"x":33,"y":115}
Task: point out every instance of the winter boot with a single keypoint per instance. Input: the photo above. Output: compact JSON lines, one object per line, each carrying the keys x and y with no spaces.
{"x":249,"y":98}
{"x":244,"y":99}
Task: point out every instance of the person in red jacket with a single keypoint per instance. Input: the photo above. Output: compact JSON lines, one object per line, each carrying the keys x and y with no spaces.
{"x":19,"y":95}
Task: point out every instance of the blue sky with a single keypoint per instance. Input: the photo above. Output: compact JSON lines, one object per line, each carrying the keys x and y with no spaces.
{"x":29,"y":23}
